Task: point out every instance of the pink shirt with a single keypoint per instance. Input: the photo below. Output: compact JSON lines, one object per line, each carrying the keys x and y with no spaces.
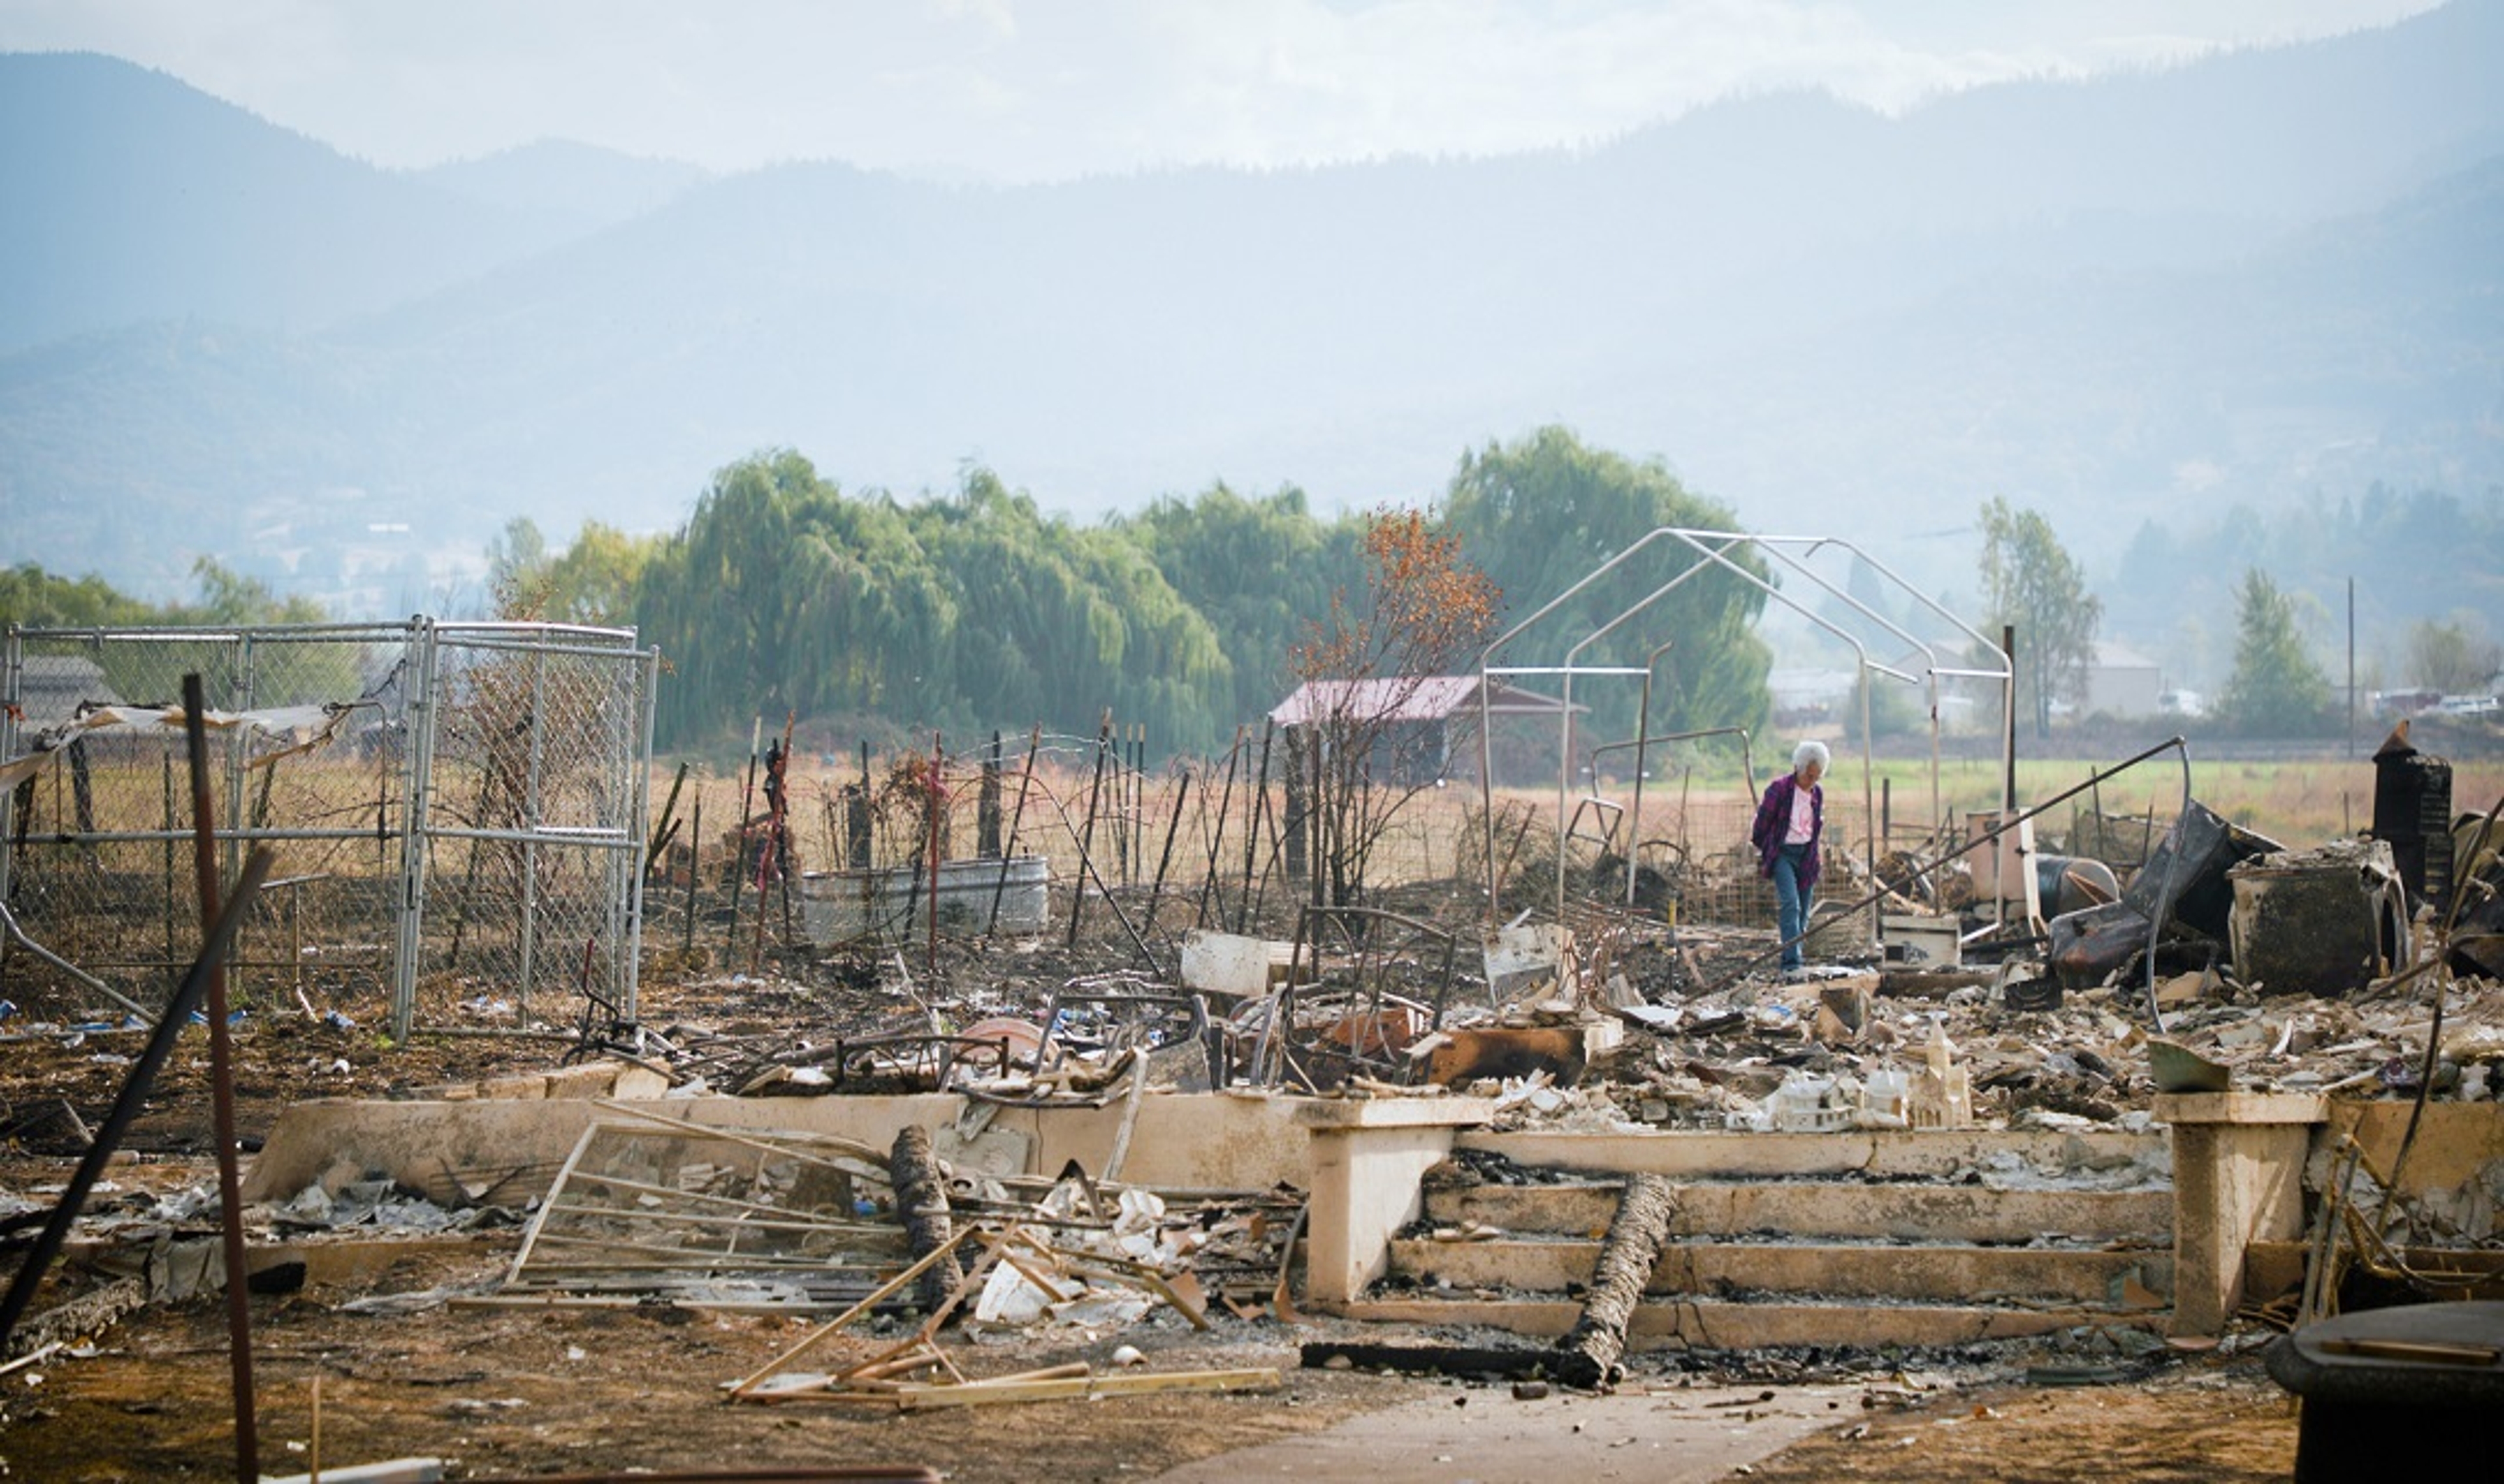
{"x":1803,"y":818}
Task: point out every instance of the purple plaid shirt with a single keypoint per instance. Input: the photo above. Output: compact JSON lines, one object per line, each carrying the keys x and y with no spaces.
{"x":1774,"y":821}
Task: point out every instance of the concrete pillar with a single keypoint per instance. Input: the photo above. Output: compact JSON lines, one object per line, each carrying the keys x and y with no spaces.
{"x":2238,"y":1179}
{"x":1367,"y":1155}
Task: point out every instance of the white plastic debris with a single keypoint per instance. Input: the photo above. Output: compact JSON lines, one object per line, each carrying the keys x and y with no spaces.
{"x":1009,"y":1297}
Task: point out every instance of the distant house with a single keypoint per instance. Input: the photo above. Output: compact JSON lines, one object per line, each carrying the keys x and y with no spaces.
{"x":1804,"y":697}
{"x":2123,"y":682}
{"x":53,"y":687}
{"x":1427,"y":724}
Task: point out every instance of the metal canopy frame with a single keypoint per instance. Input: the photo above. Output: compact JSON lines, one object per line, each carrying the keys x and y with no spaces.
{"x":1713,"y":548}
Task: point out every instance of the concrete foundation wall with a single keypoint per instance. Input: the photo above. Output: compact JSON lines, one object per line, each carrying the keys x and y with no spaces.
{"x":2455,"y":1172}
{"x":2238,"y":1163}
{"x":506,"y":1149}
{"x":2251,"y":1168}
{"x":1369,"y":1158}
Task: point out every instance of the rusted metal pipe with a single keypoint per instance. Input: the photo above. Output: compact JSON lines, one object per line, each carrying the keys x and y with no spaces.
{"x":935,"y":819}
{"x":221,"y":1084}
{"x":1217,"y":835}
{"x":1252,"y":830}
{"x":1087,"y":837}
{"x":1017,"y":817}
{"x":1138,"y":798}
{"x":747,"y":802}
{"x":1164,"y":857}
{"x":695,"y":873}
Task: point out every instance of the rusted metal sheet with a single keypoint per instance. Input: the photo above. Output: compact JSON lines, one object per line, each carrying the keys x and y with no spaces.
{"x":2186,"y":877}
{"x":1505,"y":1051}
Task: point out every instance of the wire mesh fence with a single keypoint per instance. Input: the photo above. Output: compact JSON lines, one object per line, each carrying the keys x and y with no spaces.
{"x":530,"y":767}
{"x":382,"y":761}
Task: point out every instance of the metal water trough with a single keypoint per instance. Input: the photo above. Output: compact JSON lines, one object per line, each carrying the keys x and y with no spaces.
{"x":973,"y":896}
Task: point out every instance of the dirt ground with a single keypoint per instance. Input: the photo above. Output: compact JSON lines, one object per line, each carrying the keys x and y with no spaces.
{"x":501,"y":1392}
{"x":506,"y":1393}
{"x":2213,"y":1422}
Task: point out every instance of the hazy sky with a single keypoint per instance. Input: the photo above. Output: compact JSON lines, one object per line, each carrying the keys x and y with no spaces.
{"x":1022,"y":89}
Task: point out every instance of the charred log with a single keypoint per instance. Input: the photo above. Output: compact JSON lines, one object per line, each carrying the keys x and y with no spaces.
{"x":1589,"y":1355}
{"x":921,"y":1205}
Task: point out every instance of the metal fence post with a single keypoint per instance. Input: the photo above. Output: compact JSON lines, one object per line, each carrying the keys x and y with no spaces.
{"x":416,"y":818}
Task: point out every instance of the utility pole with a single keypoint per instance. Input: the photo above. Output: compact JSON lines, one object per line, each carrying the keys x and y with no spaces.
{"x":2351,"y":667}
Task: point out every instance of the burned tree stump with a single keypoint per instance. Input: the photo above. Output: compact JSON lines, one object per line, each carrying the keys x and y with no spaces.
{"x":921,"y":1205}
{"x":1589,"y":1355}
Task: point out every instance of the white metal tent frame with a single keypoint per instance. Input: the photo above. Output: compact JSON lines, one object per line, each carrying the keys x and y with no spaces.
{"x":1713,"y":548}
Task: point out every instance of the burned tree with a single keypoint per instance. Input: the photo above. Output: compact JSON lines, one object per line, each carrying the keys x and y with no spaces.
{"x":1361,"y":750}
{"x":1591,"y":1354}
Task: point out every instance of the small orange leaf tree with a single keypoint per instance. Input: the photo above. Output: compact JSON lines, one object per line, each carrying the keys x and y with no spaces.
{"x":1361,"y":747}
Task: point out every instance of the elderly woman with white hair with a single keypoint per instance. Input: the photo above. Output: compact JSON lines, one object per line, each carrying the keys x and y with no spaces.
{"x":1788,"y":823}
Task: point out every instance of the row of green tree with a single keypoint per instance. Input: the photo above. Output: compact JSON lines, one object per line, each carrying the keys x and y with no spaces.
{"x":864,"y":614}
{"x":975,"y":610}
{"x":34,"y":598}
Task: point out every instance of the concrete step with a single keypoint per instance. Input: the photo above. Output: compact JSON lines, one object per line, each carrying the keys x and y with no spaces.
{"x":2014,"y":1158}
{"x":1706,"y":1324}
{"x":1825,"y":1208}
{"x":1923,"y":1273}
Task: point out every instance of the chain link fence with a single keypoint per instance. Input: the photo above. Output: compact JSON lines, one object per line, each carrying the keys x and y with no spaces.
{"x":458,"y":810}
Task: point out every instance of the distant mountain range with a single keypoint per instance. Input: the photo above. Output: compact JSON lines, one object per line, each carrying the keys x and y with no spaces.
{"x":2268,"y":275}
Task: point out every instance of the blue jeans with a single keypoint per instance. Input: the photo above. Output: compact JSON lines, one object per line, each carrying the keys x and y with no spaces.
{"x":1793,"y":920}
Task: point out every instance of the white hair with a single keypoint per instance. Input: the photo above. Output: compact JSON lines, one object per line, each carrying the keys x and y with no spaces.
{"x":1808,"y":752}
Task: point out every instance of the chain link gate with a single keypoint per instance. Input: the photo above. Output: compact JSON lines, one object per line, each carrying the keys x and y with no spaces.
{"x":459,"y":809}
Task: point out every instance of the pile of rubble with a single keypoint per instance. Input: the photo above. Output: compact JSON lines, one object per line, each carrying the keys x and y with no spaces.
{"x":2361,"y":968}
{"x":2225,"y":960}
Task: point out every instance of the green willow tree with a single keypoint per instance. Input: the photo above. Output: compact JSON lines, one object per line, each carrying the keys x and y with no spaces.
{"x":781,"y":595}
{"x":1056,"y":622}
{"x":1541,"y":514}
{"x":2029,"y":582}
{"x":283,"y":674}
{"x":2277,"y":688}
{"x":1260,"y":568}
{"x":975,"y":610}
{"x":34,"y":598}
